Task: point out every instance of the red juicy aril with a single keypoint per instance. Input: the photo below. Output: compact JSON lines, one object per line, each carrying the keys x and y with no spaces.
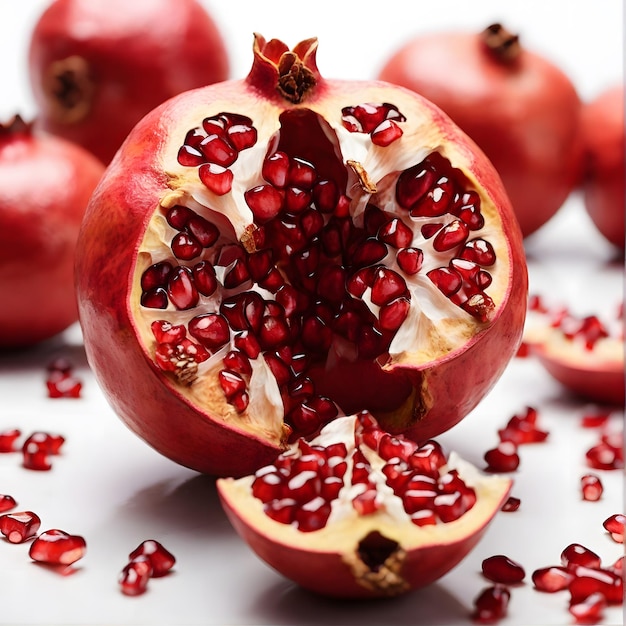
{"x":266,"y":254}
{"x":358,"y":512}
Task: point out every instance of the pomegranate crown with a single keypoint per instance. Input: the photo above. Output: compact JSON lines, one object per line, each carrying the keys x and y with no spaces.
{"x":291,"y":73}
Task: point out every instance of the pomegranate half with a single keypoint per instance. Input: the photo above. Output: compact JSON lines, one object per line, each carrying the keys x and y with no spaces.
{"x":266,"y":254}
{"x":357,"y":512}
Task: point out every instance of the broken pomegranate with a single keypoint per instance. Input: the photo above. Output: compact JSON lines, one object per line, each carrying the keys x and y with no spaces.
{"x":585,"y":353}
{"x":289,"y":249}
{"x":45,"y":183}
{"x":97,"y":67}
{"x":518,"y":106}
{"x":56,"y":547}
{"x":358,"y":512}
{"x":603,"y":177}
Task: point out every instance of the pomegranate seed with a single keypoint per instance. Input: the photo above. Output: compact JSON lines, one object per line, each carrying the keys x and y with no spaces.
{"x":218,"y":150}
{"x":265,"y":202}
{"x":134,"y":577}
{"x":7,"y":503}
{"x":410,"y":260}
{"x":503,"y":458}
{"x":325,"y":195}
{"x":232,"y":384}
{"x":190,"y":156}
{"x":177,"y":217}
{"x":615,"y":526}
{"x":388,"y":285}
{"x":203,"y":231}
{"x":390,"y":447}
{"x":595,"y":580}
{"x":424,"y":517}
{"x":367,"y":502}
{"x":18,"y":527}
{"x":451,"y":236}
{"x":588,"y":610}
{"x":313,"y":515}
{"x":160,"y":558}
{"x":501,"y":569}
{"x":386,"y":133}
{"x":275,"y":168}
{"x":8,"y":439}
{"x":268,"y":486}
{"x":467,"y":207}
{"x":396,"y":233}
{"x":166,"y":332}
{"x":575,"y":555}
{"x":551,"y":579}
{"x":604,"y":456}
{"x":242,"y":136}
{"x":393,"y":314}
{"x":414,"y":183}
{"x":591,"y":487}
{"x":491,"y":605}
{"x":216,"y":178}
{"x":210,"y":329}
{"x":301,"y":174}
{"x":181,"y":289}
{"x":594,"y":420}
{"x":369,"y":252}
{"x":63,"y":385}
{"x":479,"y":251}
{"x":154,"y":299}
{"x":282,"y":511}
{"x":511,"y":504}
{"x":57,"y":548}
{"x":447,"y":280}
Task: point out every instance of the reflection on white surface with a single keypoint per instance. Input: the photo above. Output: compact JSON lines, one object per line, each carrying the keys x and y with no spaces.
{"x":115,"y":491}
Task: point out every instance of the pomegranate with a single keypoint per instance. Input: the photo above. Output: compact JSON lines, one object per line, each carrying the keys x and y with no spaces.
{"x":521,"y":109}
{"x":358,"y":512}
{"x":584,"y":353}
{"x":98,"y":66}
{"x":45,"y":184}
{"x":604,"y":144}
{"x":266,"y":254}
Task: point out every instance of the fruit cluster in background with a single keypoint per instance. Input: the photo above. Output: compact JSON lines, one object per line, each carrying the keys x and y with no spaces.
{"x":522,"y":110}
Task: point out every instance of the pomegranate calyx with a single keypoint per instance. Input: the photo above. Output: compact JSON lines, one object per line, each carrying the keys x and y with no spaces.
{"x":293,"y":73}
{"x":501,"y":43}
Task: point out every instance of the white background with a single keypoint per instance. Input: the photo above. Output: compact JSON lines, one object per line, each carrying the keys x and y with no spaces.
{"x":115,"y":491}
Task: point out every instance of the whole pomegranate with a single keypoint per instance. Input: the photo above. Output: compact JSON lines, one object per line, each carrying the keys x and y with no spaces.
{"x":45,"y":184}
{"x":98,"y":66}
{"x":603,"y":182}
{"x":265,"y":254}
{"x":359,"y":513}
{"x":520,"y":108}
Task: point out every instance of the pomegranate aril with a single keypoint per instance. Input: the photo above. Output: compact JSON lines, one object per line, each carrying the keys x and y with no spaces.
{"x":594,"y":420}
{"x":501,"y":569}
{"x":368,"y":252}
{"x":591,"y":487}
{"x":185,"y":246}
{"x":451,"y":236}
{"x":178,"y":217}
{"x":588,"y":610}
{"x":502,"y":458}
{"x":161,"y":559}
{"x":181,"y":289}
{"x":428,"y":458}
{"x":7,"y":502}
{"x":414,"y":183}
{"x":410,"y":260}
{"x":449,"y":506}
{"x":275,"y":168}
{"x":552,"y":579}
{"x":479,"y":251}
{"x":248,"y":344}
{"x":588,"y":581}
{"x":511,"y":504}
{"x":575,"y":555}
{"x":437,"y":201}
{"x":166,"y":332}
{"x":447,"y":280}
{"x":8,"y":438}
{"x":216,"y":178}
{"x":211,"y":330}
{"x":491,"y":605}
{"x":18,"y":527}
{"x":35,"y":456}
{"x":390,"y":447}
{"x":265,"y":202}
{"x":301,"y":174}
{"x":203,"y":231}
{"x":604,"y":456}
{"x":325,"y":195}
{"x":387,"y":286}
{"x":242,"y":136}
{"x":386,"y":133}
{"x":312,"y":515}
{"x":615,"y":526}
{"x":57,"y":547}
{"x":268,"y":486}
{"x":237,"y":361}
{"x":367,"y":502}
{"x":232,"y":383}
{"x":218,"y":150}
{"x":134,"y":577}
{"x":204,"y":278}
{"x":190,"y":156}
{"x":431,"y":229}
{"x":154,"y":298}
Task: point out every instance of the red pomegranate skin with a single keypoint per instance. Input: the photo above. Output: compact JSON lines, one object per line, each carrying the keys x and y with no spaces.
{"x":137,"y":54}
{"x":45,"y":185}
{"x":525,"y":115}
{"x":603,"y":184}
{"x":431,"y":400}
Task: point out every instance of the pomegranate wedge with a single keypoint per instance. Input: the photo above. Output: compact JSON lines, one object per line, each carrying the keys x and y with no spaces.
{"x":266,"y":254}
{"x":360,"y":513}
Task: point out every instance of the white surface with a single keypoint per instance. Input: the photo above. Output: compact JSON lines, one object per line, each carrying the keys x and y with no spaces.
{"x":115,"y":491}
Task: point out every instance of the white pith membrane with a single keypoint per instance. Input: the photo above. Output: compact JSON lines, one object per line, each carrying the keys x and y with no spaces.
{"x":434,"y":328}
{"x":346,"y":531}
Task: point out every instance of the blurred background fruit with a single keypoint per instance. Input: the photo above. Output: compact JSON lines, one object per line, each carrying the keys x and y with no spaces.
{"x":518,"y":106}
{"x":98,"y":66}
{"x":45,"y":184}
{"x":603,"y":180}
